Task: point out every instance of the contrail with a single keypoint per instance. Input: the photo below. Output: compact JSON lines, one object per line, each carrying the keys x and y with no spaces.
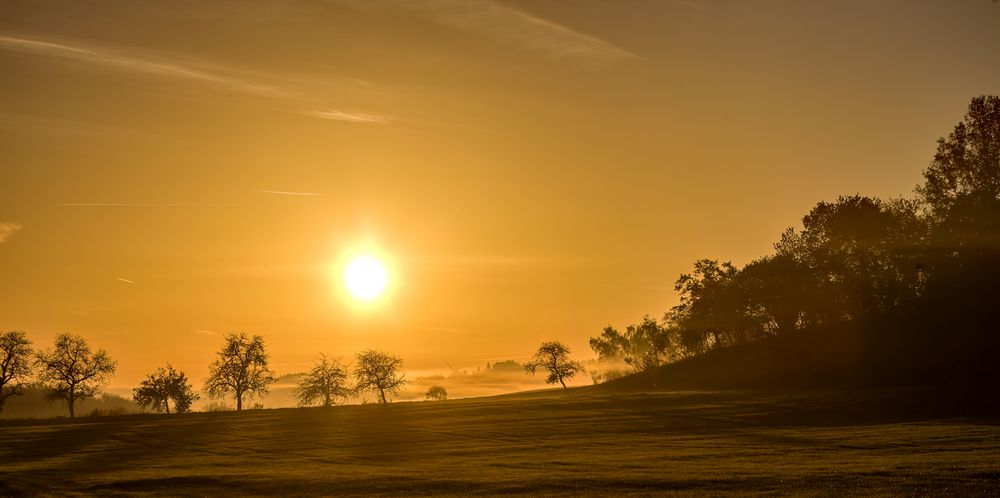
{"x":121,"y":204}
{"x":280,"y":192}
{"x":127,"y":281}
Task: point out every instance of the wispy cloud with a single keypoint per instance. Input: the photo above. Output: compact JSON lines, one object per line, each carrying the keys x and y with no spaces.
{"x":125,"y":280}
{"x":282,"y":192}
{"x":351,"y":117}
{"x":219,"y":77}
{"x":509,"y":25}
{"x":133,"y":63}
{"x":7,"y":229}
{"x":504,"y":261}
{"x":129,"y":204}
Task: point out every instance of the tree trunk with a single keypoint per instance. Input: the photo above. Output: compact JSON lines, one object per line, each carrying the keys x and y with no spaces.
{"x":166,"y":405}
{"x":561,"y":382}
{"x":381,"y":394}
{"x":70,"y":401}
{"x":239,"y":402}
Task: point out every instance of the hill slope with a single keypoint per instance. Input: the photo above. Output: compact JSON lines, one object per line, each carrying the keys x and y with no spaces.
{"x":905,"y":348}
{"x":550,"y":442}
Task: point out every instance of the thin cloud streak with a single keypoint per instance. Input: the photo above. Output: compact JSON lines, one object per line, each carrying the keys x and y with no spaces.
{"x":280,"y":192}
{"x":509,"y":25}
{"x":136,"y":64}
{"x":350,"y":117}
{"x":127,"y":281}
{"x":175,"y":70}
{"x":127,"y":204}
{"x":7,"y":230}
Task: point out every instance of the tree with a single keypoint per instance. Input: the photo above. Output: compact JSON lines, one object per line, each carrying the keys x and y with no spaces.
{"x":437,"y":393}
{"x":778,"y":291}
{"x":162,"y":386}
{"x":643,"y":346}
{"x":72,"y":372}
{"x":553,"y":356}
{"x":961,"y":191}
{"x":325,"y":384}
{"x":967,"y":162}
{"x":379,"y":373}
{"x":240,"y":370}
{"x":15,"y":364}
{"x":711,"y":312}
{"x":864,"y":254}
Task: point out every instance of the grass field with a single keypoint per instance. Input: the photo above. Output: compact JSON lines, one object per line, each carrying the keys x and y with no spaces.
{"x":580,"y":441}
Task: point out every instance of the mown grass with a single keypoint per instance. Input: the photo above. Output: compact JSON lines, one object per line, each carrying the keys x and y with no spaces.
{"x":582,"y":441}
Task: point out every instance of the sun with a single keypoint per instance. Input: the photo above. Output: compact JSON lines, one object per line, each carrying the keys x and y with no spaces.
{"x":365,"y":278}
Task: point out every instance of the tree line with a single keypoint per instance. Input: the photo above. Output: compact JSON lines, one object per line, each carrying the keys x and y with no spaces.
{"x":72,"y":371}
{"x":936,"y":254}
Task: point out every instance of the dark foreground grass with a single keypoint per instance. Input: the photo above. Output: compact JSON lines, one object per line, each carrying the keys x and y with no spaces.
{"x":578,"y":442}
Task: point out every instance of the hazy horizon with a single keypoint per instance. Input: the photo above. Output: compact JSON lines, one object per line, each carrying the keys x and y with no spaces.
{"x":528,"y":171}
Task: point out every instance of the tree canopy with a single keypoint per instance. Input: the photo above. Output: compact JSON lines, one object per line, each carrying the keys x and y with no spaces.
{"x":553,"y":356}
{"x":643,"y":346}
{"x":240,"y":369}
{"x":162,"y":386}
{"x":72,"y":371}
{"x":325,"y":384}
{"x":378,"y":373}
{"x":15,"y":364}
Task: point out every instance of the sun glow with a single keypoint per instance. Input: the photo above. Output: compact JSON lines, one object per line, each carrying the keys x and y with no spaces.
{"x":365,"y":278}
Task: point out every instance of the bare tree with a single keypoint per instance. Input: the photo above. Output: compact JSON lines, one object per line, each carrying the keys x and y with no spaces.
{"x":379,"y":373}
{"x":437,"y":393}
{"x":554,"y":357}
{"x":325,"y":384}
{"x":162,"y":386}
{"x":72,"y":372}
{"x":241,"y":369}
{"x":15,"y":364}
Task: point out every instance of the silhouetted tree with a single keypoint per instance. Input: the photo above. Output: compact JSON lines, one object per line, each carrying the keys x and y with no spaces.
{"x":72,"y":371}
{"x":712,"y":311}
{"x":379,"y":373}
{"x":553,"y":356}
{"x":864,"y":255}
{"x":324,"y":384}
{"x":437,"y":393}
{"x":240,"y":370}
{"x":162,"y":386}
{"x":967,"y":162}
{"x":777,"y":292}
{"x":643,"y":346}
{"x":15,"y":364}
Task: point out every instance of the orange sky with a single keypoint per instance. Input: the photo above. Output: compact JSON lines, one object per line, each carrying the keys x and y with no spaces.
{"x":534,"y":170}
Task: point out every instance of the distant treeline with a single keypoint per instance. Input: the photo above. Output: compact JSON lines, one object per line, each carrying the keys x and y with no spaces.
{"x":932,"y":260}
{"x":73,"y":372}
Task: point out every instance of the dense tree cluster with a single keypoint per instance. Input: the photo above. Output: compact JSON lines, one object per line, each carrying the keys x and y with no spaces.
{"x":853,"y":258}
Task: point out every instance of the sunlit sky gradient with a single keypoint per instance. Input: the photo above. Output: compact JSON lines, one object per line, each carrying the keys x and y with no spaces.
{"x":535,"y":170}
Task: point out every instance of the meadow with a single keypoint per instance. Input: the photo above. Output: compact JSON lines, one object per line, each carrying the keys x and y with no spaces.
{"x":593,"y":440}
